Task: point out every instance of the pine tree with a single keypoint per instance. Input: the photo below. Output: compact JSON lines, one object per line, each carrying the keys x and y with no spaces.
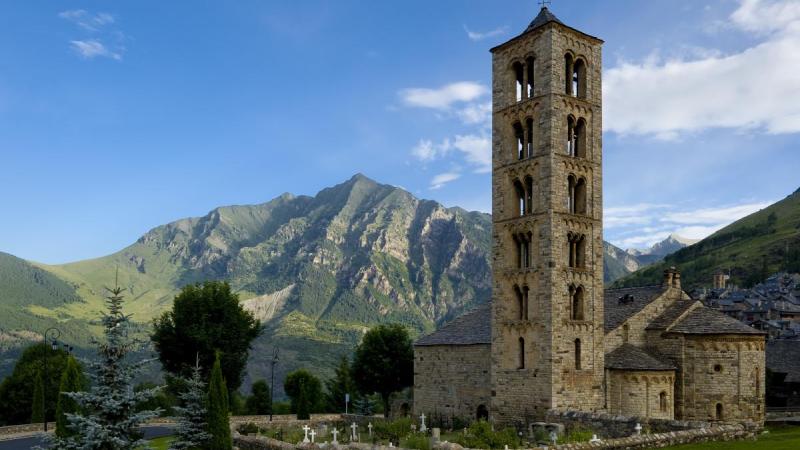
{"x":37,"y":416}
{"x":337,"y":387}
{"x":190,"y":431}
{"x":218,"y":410}
{"x":72,"y":380}
{"x":108,"y":418}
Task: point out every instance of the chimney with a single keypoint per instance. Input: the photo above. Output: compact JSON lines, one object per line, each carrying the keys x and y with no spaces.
{"x":668,"y":277}
{"x":676,"y":278}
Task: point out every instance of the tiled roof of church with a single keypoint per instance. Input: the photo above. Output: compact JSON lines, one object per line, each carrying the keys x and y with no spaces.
{"x":671,"y":314}
{"x":708,"y":321}
{"x":783,"y":356}
{"x":621,"y":304}
{"x":629,"y":357}
{"x":472,"y":328}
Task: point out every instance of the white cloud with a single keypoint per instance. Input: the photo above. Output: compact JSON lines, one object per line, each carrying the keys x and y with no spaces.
{"x":476,"y":114}
{"x":443,"y":178}
{"x":478,"y":36}
{"x":427,"y":150}
{"x":756,"y":88}
{"x":642,"y":225}
{"x":477,"y":150}
{"x":87,"y":21}
{"x":93,"y":48}
{"x":444,"y":97}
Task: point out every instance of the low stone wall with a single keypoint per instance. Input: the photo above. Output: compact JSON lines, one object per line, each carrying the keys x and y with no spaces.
{"x":30,"y":428}
{"x":644,"y":441}
{"x":286,"y":419}
{"x":611,"y":426}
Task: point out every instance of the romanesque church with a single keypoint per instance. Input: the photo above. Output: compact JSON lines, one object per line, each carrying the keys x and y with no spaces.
{"x":552,"y":338}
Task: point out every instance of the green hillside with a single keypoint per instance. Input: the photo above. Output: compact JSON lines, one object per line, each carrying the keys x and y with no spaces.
{"x":751,"y":248}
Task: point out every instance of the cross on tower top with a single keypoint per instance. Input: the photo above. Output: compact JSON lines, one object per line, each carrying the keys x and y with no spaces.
{"x":545,"y":3}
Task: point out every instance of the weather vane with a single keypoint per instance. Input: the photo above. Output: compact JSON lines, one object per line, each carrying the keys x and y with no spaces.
{"x":545,"y":3}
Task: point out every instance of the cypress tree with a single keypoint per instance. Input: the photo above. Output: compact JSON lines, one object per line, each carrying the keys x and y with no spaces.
{"x":37,"y":416}
{"x":218,"y":410}
{"x":72,"y":380}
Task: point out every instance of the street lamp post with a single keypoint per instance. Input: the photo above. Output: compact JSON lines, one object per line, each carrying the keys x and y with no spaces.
{"x":272,"y":388}
{"x":51,"y":334}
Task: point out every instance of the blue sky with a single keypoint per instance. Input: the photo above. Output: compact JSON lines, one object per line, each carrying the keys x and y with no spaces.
{"x":116,"y":117}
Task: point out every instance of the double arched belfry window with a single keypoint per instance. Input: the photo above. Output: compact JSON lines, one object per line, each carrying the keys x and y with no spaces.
{"x":575,"y":76}
{"x":576,"y":195}
{"x":576,"y":137}
{"x":524,"y":73}
{"x":524,"y":195}
{"x":524,"y":139}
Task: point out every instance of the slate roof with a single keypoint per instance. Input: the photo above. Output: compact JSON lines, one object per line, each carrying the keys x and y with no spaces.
{"x":619,"y":308}
{"x":671,"y":314}
{"x":543,"y":18}
{"x":472,"y":328}
{"x":708,"y":321}
{"x":783,"y":356}
{"x":629,"y":357}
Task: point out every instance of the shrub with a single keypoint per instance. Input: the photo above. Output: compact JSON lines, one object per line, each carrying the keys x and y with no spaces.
{"x":417,"y":441}
{"x":392,"y":431}
{"x":480,"y":435}
{"x":576,"y":435}
{"x":248,"y":428}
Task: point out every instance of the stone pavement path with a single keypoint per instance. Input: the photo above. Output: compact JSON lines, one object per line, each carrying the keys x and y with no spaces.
{"x":26,"y":442}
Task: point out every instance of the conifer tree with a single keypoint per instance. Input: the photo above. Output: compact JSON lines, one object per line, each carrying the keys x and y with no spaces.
{"x":37,"y":416}
{"x":218,"y":410}
{"x":72,"y":380}
{"x":108,"y":418}
{"x":190,"y":432}
{"x":339,"y":386}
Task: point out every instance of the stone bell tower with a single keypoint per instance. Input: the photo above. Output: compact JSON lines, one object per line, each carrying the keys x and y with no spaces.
{"x":547,"y":300}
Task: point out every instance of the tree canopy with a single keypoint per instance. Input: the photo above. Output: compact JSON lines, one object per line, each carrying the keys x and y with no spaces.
{"x":259,"y":402}
{"x":17,"y":390}
{"x":205,"y":319}
{"x":305,"y":390}
{"x":337,"y":387}
{"x":384,"y":362}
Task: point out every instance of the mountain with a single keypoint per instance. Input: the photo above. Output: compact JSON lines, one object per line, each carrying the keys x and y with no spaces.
{"x":317,"y":270}
{"x":749,"y":249}
{"x":619,"y":263}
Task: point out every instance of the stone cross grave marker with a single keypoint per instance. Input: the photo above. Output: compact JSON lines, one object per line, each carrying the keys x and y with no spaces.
{"x":313,"y":434}
{"x":369,"y":425}
{"x":305,"y":430}
{"x":354,"y":436}
{"x":638,"y":429}
{"x":594,"y":439}
{"x":553,"y":437}
{"x":335,"y":433}
{"x":422,"y":426}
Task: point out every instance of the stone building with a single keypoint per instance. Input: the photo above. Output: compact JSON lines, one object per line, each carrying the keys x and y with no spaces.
{"x":552,"y":338}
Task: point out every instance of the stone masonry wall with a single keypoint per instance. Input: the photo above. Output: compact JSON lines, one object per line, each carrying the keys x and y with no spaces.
{"x":636,"y":331}
{"x":451,"y":381}
{"x":638,"y":393}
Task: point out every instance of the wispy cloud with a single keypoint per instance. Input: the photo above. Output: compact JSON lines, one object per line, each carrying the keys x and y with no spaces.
{"x":479,"y":36}
{"x":665,"y":98}
{"x":87,"y":21}
{"x":444,"y":97}
{"x":642,"y":225}
{"x":95,"y":27}
{"x":92,"y":49}
{"x":476,"y":150}
{"x":443,"y":178}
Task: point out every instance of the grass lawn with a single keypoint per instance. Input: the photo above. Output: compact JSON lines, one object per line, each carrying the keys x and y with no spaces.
{"x":161,"y":443}
{"x":781,"y":438}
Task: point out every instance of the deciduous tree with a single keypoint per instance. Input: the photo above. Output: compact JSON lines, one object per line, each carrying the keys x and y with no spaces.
{"x":384,"y":362}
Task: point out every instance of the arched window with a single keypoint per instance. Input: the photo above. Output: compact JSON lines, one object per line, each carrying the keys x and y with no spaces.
{"x":523,"y":250}
{"x":519,"y":140}
{"x":572,"y":142}
{"x":528,"y":195}
{"x":576,"y":302}
{"x":578,"y":88}
{"x":521,"y":356}
{"x":518,"y":79}
{"x":571,"y":182}
{"x":530,"y":137}
{"x":577,"y":354}
{"x":482,"y":413}
{"x":530,"y":65}
{"x":579,"y":200}
{"x":579,"y":139}
{"x":520,"y":303}
{"x":577,"y":250}
{"x":525,"y":305}
{"x":662,"y":402}
{"x":718,"y":415}
{"x":568,"y":65}
{"x":521,"y":197}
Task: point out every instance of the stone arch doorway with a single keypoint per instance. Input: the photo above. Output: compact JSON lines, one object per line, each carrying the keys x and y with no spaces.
{"x":482,"y":413}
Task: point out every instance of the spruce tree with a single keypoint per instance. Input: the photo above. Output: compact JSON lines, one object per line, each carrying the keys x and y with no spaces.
{"x":339,"y":386}
{"x":37,"y":416}
{"x":108,"y":418}
{"x":218,"y":410}
{"x":72,"y":380}
{"x":190,"y":430}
